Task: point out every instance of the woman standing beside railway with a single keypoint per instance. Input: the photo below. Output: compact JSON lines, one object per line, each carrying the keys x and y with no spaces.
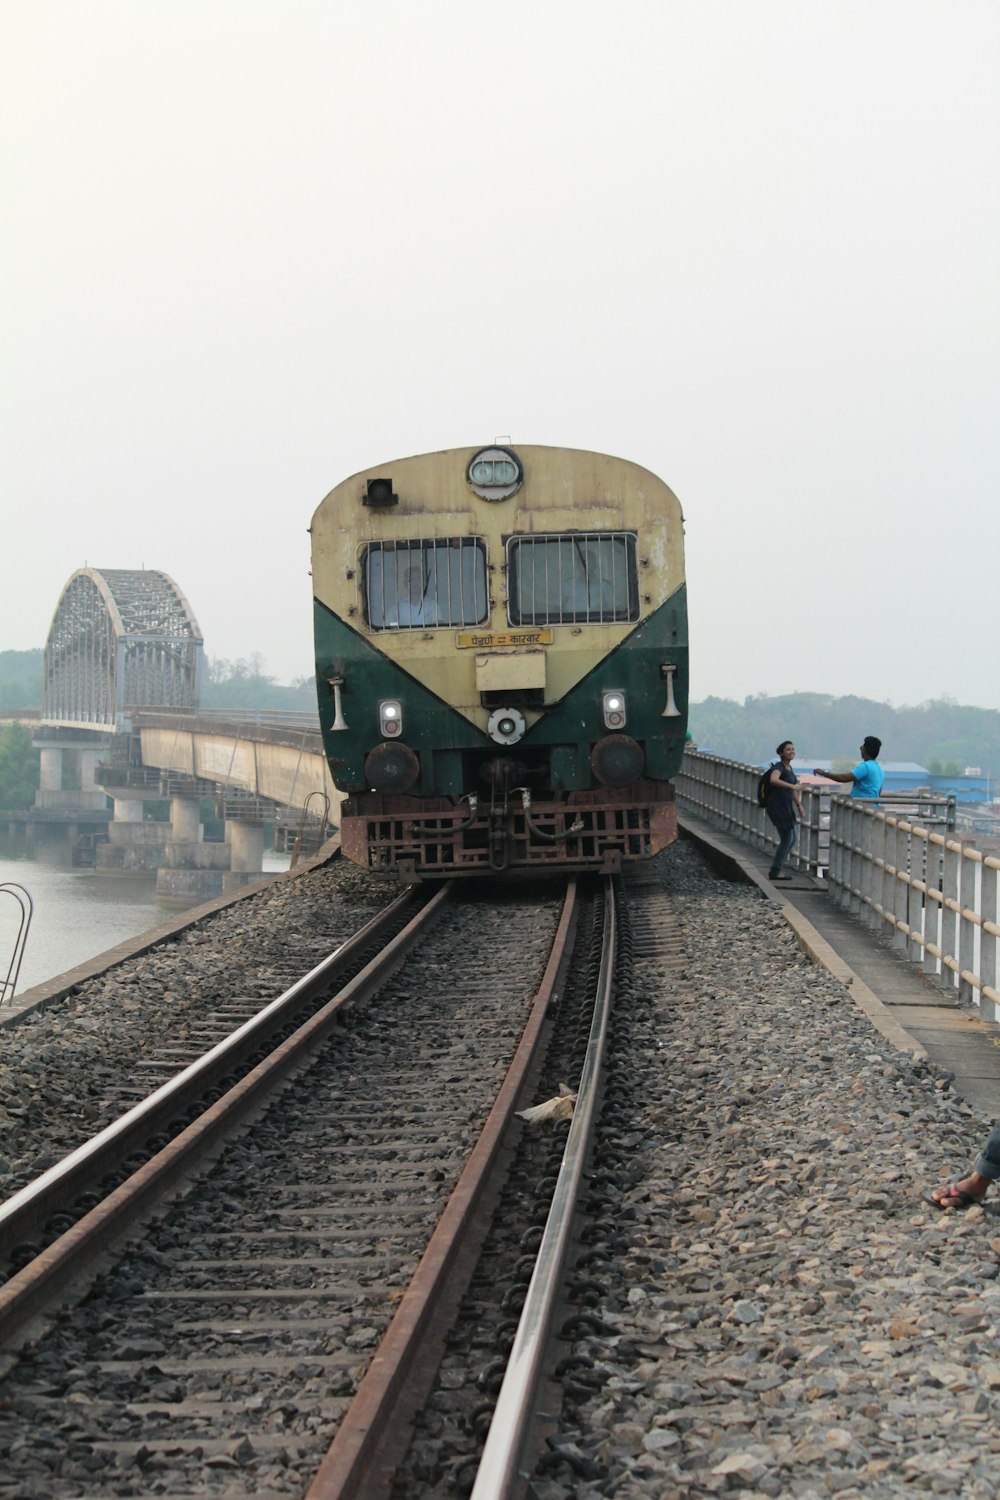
{"x":783,"y":806}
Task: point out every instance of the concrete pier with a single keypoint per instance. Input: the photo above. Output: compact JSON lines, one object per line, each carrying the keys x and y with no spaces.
{"x":133,"y":844}
{"x":66,"y":772}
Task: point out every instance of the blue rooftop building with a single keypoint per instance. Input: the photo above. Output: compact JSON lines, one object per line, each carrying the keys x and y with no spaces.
{"x":907,"y":776}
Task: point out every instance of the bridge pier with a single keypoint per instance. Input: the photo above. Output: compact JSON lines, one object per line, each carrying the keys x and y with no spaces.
{"x":128,"y":809}
{"x":65,"y":758}
{"x":50,"y":770}
{"x":133,"y":844}
{"x":193,"y":870}
{"x":246,"y":845}
{"x":185,"y":820}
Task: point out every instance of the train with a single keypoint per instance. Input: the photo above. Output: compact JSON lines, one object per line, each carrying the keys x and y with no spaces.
{"x":501,"y":661}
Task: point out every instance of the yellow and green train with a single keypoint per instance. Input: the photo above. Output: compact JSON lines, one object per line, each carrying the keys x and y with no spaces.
{"x":502,"y":660}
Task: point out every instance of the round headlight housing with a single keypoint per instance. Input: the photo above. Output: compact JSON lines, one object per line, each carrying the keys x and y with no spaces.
{"x":494,"y":473}
{"x":617,"y":760}
{"x":392,"y":768}
{"x":505,"y":725}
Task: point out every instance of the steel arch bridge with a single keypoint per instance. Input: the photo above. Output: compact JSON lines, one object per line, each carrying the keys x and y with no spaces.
{"x":120,"y":639}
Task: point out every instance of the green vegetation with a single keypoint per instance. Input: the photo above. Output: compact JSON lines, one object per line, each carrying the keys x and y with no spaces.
{"x":21,"y":679}
{"x":245,"y":685}
{"x":942,"y":735}
{"x":18,"y":768}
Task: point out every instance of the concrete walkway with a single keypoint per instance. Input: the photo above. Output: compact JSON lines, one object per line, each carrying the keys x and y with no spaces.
{"x":907,"y":1007}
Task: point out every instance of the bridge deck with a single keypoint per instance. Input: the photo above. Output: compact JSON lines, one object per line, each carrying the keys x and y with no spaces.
{"x":906,"y":1006}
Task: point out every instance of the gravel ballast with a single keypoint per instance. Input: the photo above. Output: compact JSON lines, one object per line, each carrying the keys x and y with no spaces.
{"x":69,"y":1069}
{"x":790,"y":1317}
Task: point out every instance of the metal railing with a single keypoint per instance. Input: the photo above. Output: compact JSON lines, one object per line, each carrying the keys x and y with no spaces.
{"x":935,"y":895}
{"x":26,"y":907}
{"x":724,"y":793}
{"x":895,"y":863}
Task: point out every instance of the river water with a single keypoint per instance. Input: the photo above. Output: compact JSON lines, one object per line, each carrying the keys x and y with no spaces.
{"x":77,"y":915}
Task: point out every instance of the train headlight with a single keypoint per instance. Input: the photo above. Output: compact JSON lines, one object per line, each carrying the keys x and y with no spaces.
{"x":505,"y":726}
{"x":617,"y":760}
{"x":392,"y":769}
{"x":613,"y":704}
{"x":495,"y":473}
{"x":390,"y":718}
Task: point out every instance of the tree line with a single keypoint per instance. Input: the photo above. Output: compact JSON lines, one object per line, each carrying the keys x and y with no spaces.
{"x":943,"y":736}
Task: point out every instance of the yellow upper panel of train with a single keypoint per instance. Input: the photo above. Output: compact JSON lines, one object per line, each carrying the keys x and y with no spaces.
{"x":498,"y":551}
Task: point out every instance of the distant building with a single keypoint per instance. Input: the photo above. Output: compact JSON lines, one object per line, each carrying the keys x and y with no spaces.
{"x":907,"y":776}
{"x":963,"y":788}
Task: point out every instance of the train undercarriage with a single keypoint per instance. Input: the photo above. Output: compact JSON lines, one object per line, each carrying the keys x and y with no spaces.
{"x":507,"y":832}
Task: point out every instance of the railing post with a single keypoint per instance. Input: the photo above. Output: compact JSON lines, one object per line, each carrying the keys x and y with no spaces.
{"x":967,"y":930}
{"x":866,"y":865}
{"x":808,"y":851}
{"x":855,"y":859}
{"x":923,"y":911}
{"x":823,"y":834}
{"x":802,"y":846}
{"x":989,"y":939}
{"x":834,"y":872}
{"x":902,"y":892}
{"x":933,"y":850}
{"x":880,"y":859}
{"x":950,"y":906}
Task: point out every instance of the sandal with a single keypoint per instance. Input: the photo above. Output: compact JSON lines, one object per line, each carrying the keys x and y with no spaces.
{"x":952,"y":1196}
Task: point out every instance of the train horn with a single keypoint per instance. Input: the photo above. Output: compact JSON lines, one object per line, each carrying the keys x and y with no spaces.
{"x":334,"y":684}
{"x":671,"y":711}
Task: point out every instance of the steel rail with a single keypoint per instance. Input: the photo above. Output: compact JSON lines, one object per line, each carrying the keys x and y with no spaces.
{"x":43,"y":1283}
{"x":25,"y":1211}
{"x":499,"y":1476}
{"x":374,"y":1432}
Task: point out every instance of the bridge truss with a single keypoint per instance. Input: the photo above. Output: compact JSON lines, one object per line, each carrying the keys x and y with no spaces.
{"x":120,"y":639}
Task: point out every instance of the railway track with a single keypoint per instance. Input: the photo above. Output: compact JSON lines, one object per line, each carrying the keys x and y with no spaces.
{"x":75,"y":1187}
{"x":383,"y":1170}
{"x":519,"y":1360}
{"x":112,"y":1040}
{"x":301,"y":1293}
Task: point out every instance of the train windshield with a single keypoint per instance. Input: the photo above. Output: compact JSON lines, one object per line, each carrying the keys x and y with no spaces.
{"x":576,"y":578}
{"x":415,"y":584}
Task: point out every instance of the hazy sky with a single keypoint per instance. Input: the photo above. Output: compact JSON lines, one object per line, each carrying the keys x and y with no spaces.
{"x":252,"y":246}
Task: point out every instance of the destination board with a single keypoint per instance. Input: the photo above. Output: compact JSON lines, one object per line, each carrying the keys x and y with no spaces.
{"x":483,"y":640}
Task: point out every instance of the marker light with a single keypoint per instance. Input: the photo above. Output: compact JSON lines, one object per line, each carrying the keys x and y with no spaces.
{"x":390,"y":718}
{"x":379,"y":493}
{"x":613,"y":704}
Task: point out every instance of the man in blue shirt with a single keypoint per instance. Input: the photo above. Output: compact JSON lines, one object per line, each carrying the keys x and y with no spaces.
{"x":867,"y":777}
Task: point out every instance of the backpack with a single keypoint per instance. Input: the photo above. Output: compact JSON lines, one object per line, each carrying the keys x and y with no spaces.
{"x":764,"y":785}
